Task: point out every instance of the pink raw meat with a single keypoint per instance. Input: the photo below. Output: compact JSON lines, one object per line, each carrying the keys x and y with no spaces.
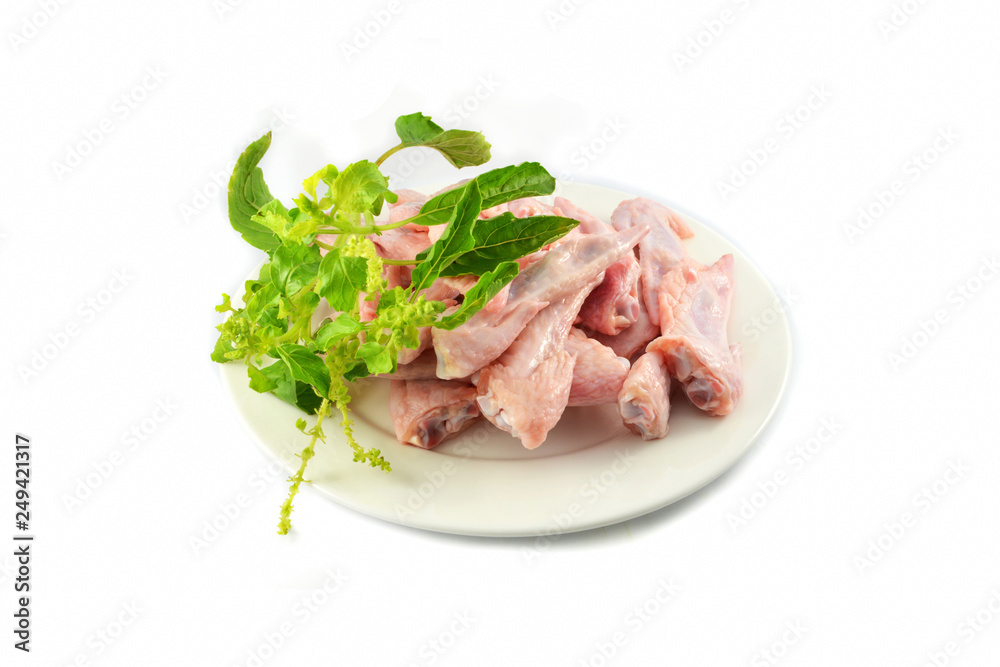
{"x":632,"y":341}
{"x":598,"y":374}
{"x":526,"y":390}
{"x":695,"y":345}
{"x":614,"y":305}
{"x":426,"y":412}
{"x":660,"y":252}
{"x":644,"y":401}
{"x":564,"y":269}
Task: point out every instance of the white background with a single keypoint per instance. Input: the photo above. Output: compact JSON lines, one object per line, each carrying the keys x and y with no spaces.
{"x":542,"y":85}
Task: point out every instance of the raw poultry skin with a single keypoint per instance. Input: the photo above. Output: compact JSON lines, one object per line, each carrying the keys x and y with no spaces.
{"x":663,"y":310}
{"x":633,"y":341}
{"x":401,"y":243}
{"x":405,"y":211}
{"x":484,"y":337}
{"x":562,"y":270}
{"x":691,"y":302}
{"x":644,"y":400}
{"x":694,"y":345}
{"x":660,"y":252}
{"x":599,"y":373}
{"x":526,"y":391}
{"x":613,"y":306}
{"x":426,"y":412}
{"x":529,"y":206}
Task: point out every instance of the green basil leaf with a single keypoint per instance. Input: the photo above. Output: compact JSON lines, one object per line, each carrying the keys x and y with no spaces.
{"x":299,"y":394}
{"x":260,"y":382}
{"x":487,"y":287}
{"x":219,"y":352}
{"x":226,"y":304}
{"x":391,"y":298}
{"x":498,"y":186}
{"x":361,"y":188}
{"x":462,"y":148}
{"x":263,"y":277}
{"x":456,"y":240}
{"x":528,"y":179}
{"x":305,"y":366}
{"x":410,"y":337}
{"x":331,"y":332}
{"x":284,"y":384}
{"x":274,"y":216}
{"x":416,"y":128}
{"x":356,"y":370}
{"x":248,"y":193}
{"x":506,"y":238}
{"x":293,"y":267}
{"x":327,"y":174}
{"x":377,"y":358}
{"x":262,"y":300}
{"x":306,"y":398}
{"x":293,"y":227}
{"x":440,"y":210}
{"x":341,"y":278}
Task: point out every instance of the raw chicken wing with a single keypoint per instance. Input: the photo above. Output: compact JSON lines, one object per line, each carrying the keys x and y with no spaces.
{"x":598,"y":374}
{"x":563,"y":270}
{"x":425,"y":412}
{"x":695,"y":346}
{"x":644,"y":401}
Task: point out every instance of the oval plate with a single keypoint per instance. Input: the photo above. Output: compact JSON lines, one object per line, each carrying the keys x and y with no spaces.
{"x":590,"y":472}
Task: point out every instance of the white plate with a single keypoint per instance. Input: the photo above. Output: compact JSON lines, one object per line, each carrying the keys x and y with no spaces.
{"x":590,"y":472}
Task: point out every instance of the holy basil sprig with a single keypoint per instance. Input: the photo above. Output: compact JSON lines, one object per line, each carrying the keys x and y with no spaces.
{"x":462,"y":148}
{"x":320,"y":250}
